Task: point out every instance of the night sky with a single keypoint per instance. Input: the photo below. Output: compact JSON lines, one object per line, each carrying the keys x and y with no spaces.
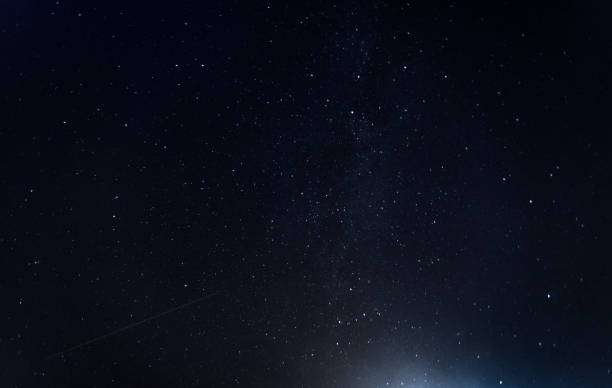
{"x":338,"y":194}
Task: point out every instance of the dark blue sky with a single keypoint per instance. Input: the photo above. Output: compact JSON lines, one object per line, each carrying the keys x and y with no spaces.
{"x":376,"y":193}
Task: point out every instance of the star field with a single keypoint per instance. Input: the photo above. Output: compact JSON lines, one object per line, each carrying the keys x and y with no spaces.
{"x":335,"y":194}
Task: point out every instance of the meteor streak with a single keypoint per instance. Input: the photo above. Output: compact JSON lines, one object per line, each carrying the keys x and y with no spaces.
{"x":130,"y":326}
